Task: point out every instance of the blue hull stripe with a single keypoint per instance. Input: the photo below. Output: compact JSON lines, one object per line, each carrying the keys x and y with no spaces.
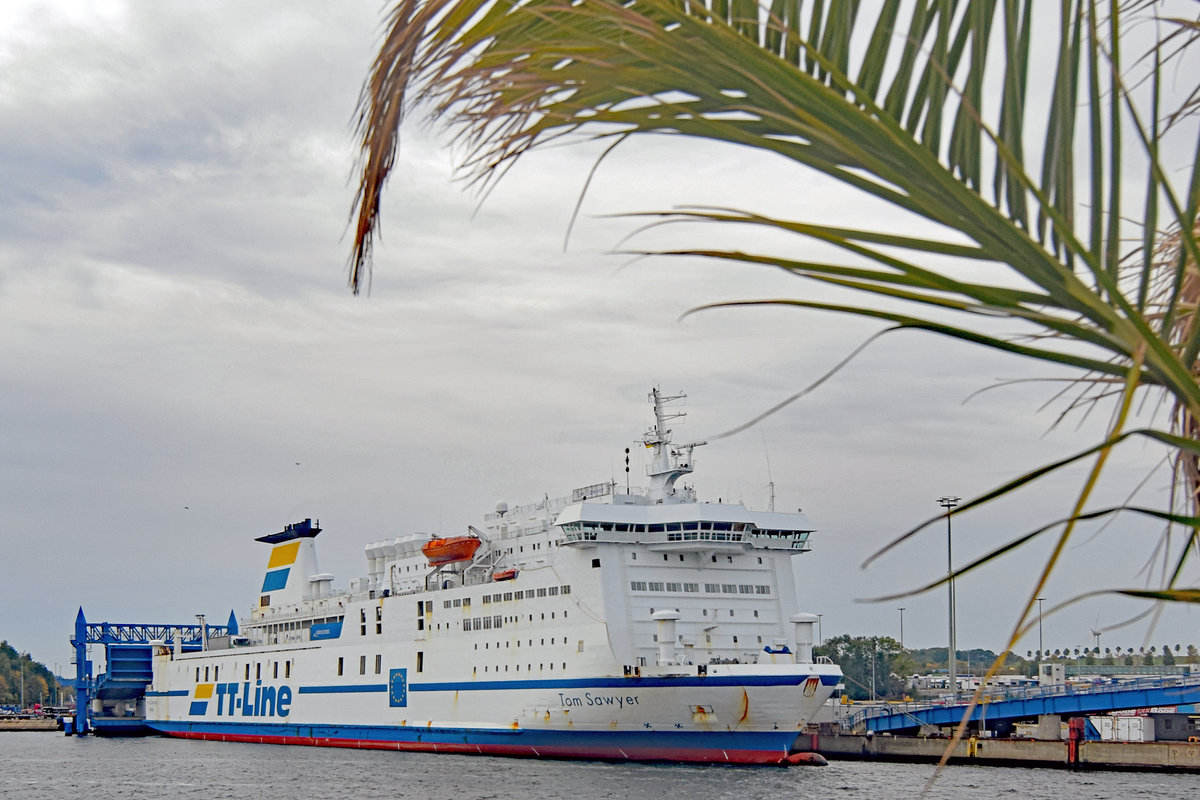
{"x":350,"y":689}
{"x":600,"y":740}
{"x":175,"y":693}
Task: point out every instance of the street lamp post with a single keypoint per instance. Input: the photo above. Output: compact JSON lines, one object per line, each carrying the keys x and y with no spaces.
{"x":22,"y":658}
{"x":949,"y":503}
{"x":820,"y":638}
{"x":1041,"y":647}
{"x":901,"y":628}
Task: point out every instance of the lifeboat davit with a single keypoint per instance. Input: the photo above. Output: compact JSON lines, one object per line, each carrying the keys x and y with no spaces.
{"x":450,"y":550}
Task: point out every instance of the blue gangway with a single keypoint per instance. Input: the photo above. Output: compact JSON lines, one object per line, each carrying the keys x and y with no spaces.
{"x":1010,"y":705}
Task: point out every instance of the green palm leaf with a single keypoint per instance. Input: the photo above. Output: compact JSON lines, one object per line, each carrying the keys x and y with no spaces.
{"x":894,"y":105}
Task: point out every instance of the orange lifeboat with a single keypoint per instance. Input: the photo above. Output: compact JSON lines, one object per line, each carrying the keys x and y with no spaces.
{"x":504,"y":574}
{"x":450,"y":550}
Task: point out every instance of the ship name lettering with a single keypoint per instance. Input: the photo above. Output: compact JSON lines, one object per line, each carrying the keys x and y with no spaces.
{"x":589,"y":699}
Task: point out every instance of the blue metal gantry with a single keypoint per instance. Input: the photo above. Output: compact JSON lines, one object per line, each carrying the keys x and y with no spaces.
{"x":1030,"y":703}
{"x":128,"y":655}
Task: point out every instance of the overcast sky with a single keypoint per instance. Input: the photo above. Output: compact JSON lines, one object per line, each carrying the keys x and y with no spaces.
{"x":183,"y":367}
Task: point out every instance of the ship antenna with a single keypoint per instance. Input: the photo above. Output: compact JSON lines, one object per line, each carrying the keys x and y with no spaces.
{"x":770,"y":480}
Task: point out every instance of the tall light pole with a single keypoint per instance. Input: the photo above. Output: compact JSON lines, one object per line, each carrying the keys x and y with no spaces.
{"x":820,"y":638}
{"x":948,"y":503}
{"x":1041,"y":649}
{"x":22,"y":658}
{"x":901,"y":628}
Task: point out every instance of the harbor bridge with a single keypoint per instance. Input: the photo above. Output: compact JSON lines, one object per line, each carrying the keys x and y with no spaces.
{"x":1026,"y":703}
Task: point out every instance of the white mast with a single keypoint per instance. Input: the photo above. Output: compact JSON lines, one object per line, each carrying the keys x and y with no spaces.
{"x":667,"y":464}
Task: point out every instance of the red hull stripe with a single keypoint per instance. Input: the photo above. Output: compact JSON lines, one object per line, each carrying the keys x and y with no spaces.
{"x":675,"y":754}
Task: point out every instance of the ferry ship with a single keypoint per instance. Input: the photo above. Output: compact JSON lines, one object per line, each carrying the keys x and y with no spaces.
{"x":613,"y":623}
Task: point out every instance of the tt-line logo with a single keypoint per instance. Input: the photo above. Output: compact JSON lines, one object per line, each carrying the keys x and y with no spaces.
{"x":235,"y":700}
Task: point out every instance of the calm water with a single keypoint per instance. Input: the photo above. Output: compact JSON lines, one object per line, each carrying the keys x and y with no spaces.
{"x":49,"y":765}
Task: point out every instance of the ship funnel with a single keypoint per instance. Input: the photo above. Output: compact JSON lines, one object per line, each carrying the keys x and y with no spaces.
{"x":804,"y":624}
{"x":666,"y":635}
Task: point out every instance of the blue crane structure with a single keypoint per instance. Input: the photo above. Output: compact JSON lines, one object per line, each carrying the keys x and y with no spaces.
{"x":1032,"y":702}
{"x":128,"y":654}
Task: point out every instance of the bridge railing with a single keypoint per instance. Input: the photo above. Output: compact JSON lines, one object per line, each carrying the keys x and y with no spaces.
{"x":998,"y":695}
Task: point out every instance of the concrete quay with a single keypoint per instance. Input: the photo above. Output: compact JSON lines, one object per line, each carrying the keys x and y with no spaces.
{"x":28,"y":725}
{"x":1064,"y":754}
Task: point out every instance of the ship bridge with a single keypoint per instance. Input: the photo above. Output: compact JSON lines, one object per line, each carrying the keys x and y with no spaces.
{"x":684,"y":526}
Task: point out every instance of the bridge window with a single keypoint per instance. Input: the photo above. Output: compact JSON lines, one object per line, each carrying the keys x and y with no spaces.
{"x":339,"y":665}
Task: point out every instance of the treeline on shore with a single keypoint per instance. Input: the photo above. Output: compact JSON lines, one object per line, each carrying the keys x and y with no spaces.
{"x":880,"y":663}
{"x":41,"y":686}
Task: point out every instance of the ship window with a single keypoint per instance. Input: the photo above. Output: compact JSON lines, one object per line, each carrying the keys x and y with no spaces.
{"x":248,"y":671}
{"x":275,"y":673}
{"x":729,"y":588}
{"x":496,"y":623}
{"x":566,"y":589}
{"x":466,"y":602}
{"x":762,"y":589}
{"x":287,"y":668}
{"x":445,"y":604}
{"x":665,"y":557}
{"x":457,"y":602}
{"x":378,"y":663}
{"x":206,"y":674}
{"x":745,"y":588}
{"x":673,"y":587}
{"x":691,"y":587}
{"x":541,"y":592}
{"x":508,"y":595}
{"x":731,"y":612}
{"x":595,"y":563}
{"x":339,"y":665}
{"x":579,"y":648}
{"x":658,"y":528}
{"x":621,"y":527}
{"x":487,"y":599}
{"x":637,"y":586}
{"x":712,"y":587}
{"x":217,"y":673}
{"x":420,"y":660}
{"x":691,"y":526}
{"x":756,"y":613}
{"x":198,"y":674}
{"x":257,"y":671}
{"x":760,"y":559}
{"x":656,"y":586}
{"x":714,"y":559}
{"x":633,"y":556}
{"x":362,"y":665}
{"x":735,"y":640}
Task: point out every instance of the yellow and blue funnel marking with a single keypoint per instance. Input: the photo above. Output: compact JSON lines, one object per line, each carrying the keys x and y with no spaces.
{"x":283,"y":555}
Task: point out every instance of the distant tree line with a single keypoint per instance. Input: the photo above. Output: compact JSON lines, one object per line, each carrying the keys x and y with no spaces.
{"x":881,"y":664}
{"x":40,"y":684}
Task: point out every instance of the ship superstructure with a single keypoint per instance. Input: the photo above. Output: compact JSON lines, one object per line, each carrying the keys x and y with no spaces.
{"x":610,"y":623}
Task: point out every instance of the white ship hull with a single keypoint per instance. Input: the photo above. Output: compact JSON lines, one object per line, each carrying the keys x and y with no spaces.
{"x":604,"y":625}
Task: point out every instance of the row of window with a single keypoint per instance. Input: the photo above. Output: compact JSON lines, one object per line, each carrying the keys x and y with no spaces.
{"x":362,"y":664}
{"x":487,"y":623}
{"x":500,"y":597}
{"x":258,"y":671}
{"x":709,"y":588}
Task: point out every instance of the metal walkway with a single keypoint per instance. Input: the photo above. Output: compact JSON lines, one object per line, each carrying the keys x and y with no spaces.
{"x":110,"y":702}
{"x":1030,"y":703}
